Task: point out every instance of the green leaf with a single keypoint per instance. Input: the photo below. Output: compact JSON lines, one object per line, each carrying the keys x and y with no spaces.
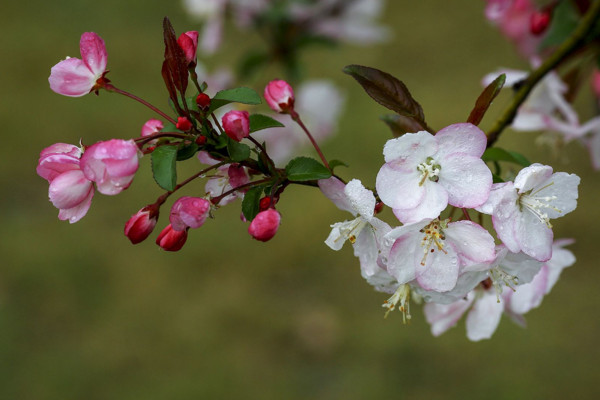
{"x":251,"y":202}
{"x":498,"y":154}
{"x":399,"y":124}
{"x":260,"y":121}
{"x":387,"y":91}
{"x":237,"y":151}
{"x":164,"y":159}
{"x":496,"y":179}
{"x":238,"y":95}
{"x":565,"y":19}
{"x":306,"y":169}
{"x":337,"y":163}
{"x":485,"y":100}
{"x":186,"y":151}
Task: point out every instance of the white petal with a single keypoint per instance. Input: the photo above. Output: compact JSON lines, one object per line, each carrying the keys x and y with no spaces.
{"x":520,"y":265}
{"x":333,"y":189}
{"x":440,"y":271}
{"x":466,"y":282}
{"x":461,"y":138}
{"x":497,"y":193}
{"x":561,"y":258}
{"x":362,"y":199}
{"x":531,"y":177}
{"x":533,"y":236}
{"x":410,"y":149}
{"x":442,"y":317}
{"x":529,"y":296}
{"x":467,"y":179}
{"x":472,"y":243}
{"x":398,"y":188}
{"x":434,"y":201}
{"x":404,"y":254}
{"x":484,"y":317}
{"x":564,"y":187}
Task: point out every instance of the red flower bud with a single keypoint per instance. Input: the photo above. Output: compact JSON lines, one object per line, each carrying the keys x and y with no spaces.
{"x":203,"y":101}
{"x":539,"y":21}
{"x":264,"y":226}
{"x":378,"y":207}
{"x":201,"y":140}
{"x":264,"y":203}
{"x":183,"y":124}
{"x":188,"y":42}
{"x":170,"y":239}
{"x":141,"y":225}
{"x":280,"y":96}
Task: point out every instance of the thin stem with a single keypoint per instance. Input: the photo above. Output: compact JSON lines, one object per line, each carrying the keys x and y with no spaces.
{"x":216,"y":200}
{"x":568,"y":46}
{"x":466,"y":214}
{"x":261,"y":148}
{"x":214,"y":117}
{"x":166,"y":195}
{"x":297,"y":119}
{"x":112,"y":88}
{"x":144,"y":139}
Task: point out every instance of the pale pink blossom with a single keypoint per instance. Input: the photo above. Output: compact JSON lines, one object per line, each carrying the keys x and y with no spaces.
{"x":279,"y":96}
{"x":141,"y":224}
{"x":265,"y":225}
{"x":188,"y":41}
{"x":432,"y":252}
{"x":170,"y":239}
{"x":189,"y":212}
{"x":224,"y":179}
{"x":76,"y":77}
{"x":57,"y":159}
{"x":236,"y":124}
{"x":424,"y":173}
{"x":152,"y":127}
{"x":111,"y":165}
{"x":521,"y":211}
{"x":71,"y":192}
{"x":513,"y":19}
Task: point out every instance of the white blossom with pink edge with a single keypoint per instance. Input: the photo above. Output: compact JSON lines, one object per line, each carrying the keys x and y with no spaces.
{"x":424,"y":173}
{"x":76,"y":77}
{"x":521,"y":211}
{"x":432,"y":253}
{"x":111,"y":165}
{"x":225,"y":178}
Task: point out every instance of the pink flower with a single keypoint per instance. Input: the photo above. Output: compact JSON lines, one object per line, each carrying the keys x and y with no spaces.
{"x":188,"y":42}
{"x":433,"y":252}
{"x":513,"y":17}
{"x":111,"y":164}
{"x":236,"y":124}
{"x":280,"y":96}
{"x":170,"y":239}
{"x":72,"y":194}
{"x":424,"y":173}
{"x":226,"y":178}
{"x":264,"y":226}
{"x":521,"y":211}
{"x":141,"y":224}
{"x":57,"y":159}
{"x":74,"y":77}
{"x":152,"y":127}
{"x":189,"y":212}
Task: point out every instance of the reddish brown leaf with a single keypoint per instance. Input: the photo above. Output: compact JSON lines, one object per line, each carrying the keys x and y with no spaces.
{"x":485,"y":100}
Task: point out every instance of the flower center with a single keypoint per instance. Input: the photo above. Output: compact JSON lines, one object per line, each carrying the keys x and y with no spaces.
{"x":537,"y":204}
{"x":402,"y":296}
{"x":501,"y":278}
{"x":434,"y":238}
{"x":349,"y":230}
{"x":429,"y":170}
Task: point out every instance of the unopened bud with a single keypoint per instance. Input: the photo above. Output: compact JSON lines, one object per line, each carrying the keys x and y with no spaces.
{"x":201,"y":140}
{"x":141,"y":224}
{"x":280,"y":96}
{"x":183,"y":124}
{"x":236,"y":124}
{"x":171,"y":240}
{"x":203,"y":101}
{"x":188,"y":42}
{"x":539,"y":21}
{"x":378,"y":207}
{"x":264,"y":226}
{"x":189,"y":212}
{"x":264,"y":203}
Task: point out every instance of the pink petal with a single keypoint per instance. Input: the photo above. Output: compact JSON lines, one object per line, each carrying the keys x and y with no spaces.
{"x":333,"y":189}
{"x":71,"y":77}
{"x":440,"y":271}
{"x":442,"y":317}
{"x":69,"y":189}
{"x":410,"y":149}
{"x":461,"y":138}
{"x":467,"y":179}
{"x":473,"y":243}
{"x":434,"y":201}
{"x":74,"y":214}
{"x":93,"y":53}
{"x":398,"y":188}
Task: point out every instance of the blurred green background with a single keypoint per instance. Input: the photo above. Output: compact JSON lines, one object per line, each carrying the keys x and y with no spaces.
{"x":84,"y":314}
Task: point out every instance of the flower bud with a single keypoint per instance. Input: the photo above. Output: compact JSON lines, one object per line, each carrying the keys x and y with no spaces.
{"x":56,"y":159}
{"x":141,"y":224}
{"x":188,"y":42}
{"x":264,"y":226}
{"x":170,"y":239}
{"x":264,"y":203}
{"x":183,"y":124}
{"x":203,"y":101}
{"x":236,"y":124}
{"x":279,"y":96}
{"x":539,"y":21}
{"x":152,"y":127}
{"x":189,"y":212}
{"x":111,"y":164}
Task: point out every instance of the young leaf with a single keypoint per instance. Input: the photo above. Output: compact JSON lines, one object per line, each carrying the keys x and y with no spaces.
{"x":387,"y":91}
{"x":175,"y":58}
{"x":485,"y":100}
{"x":306,"y":169}
{"x":259,"y":122}
{"x":498,"y":154}
{"x":242,"y":95}
{"x":164,"y":159}
{"x":237,"y":151}
{"x":251,"y":202}
{"x":399,"y":124}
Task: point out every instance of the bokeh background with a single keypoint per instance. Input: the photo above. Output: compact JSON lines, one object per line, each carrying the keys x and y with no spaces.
{"x":86,"y":315}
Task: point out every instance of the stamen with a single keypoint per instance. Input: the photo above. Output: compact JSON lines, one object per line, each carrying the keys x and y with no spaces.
{"x":429,"y":170}
{"x":500,"y":277}
{"x":402,"y":296}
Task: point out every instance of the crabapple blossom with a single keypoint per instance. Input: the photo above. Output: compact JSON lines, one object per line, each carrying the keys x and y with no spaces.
{"x":111,"y":165}
{"x":170,"y":239}
{"x":279,"y":96}
{"x":521,"y":211}
{"x":71,"y":192}
{"x":152,"y":127}
{"x":188,"y":41}
{"x":57,"y":159}
{"x":264,"y":226}
{"x":513,"y":18}
{"x":424,"y":173}
{"x":226,"y":178}
{"x":141,"y":224}
{"x":189,"y":212}
{"x":433,"y":252}
{"x":76,"y":77}
{"x":236,"y":124}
